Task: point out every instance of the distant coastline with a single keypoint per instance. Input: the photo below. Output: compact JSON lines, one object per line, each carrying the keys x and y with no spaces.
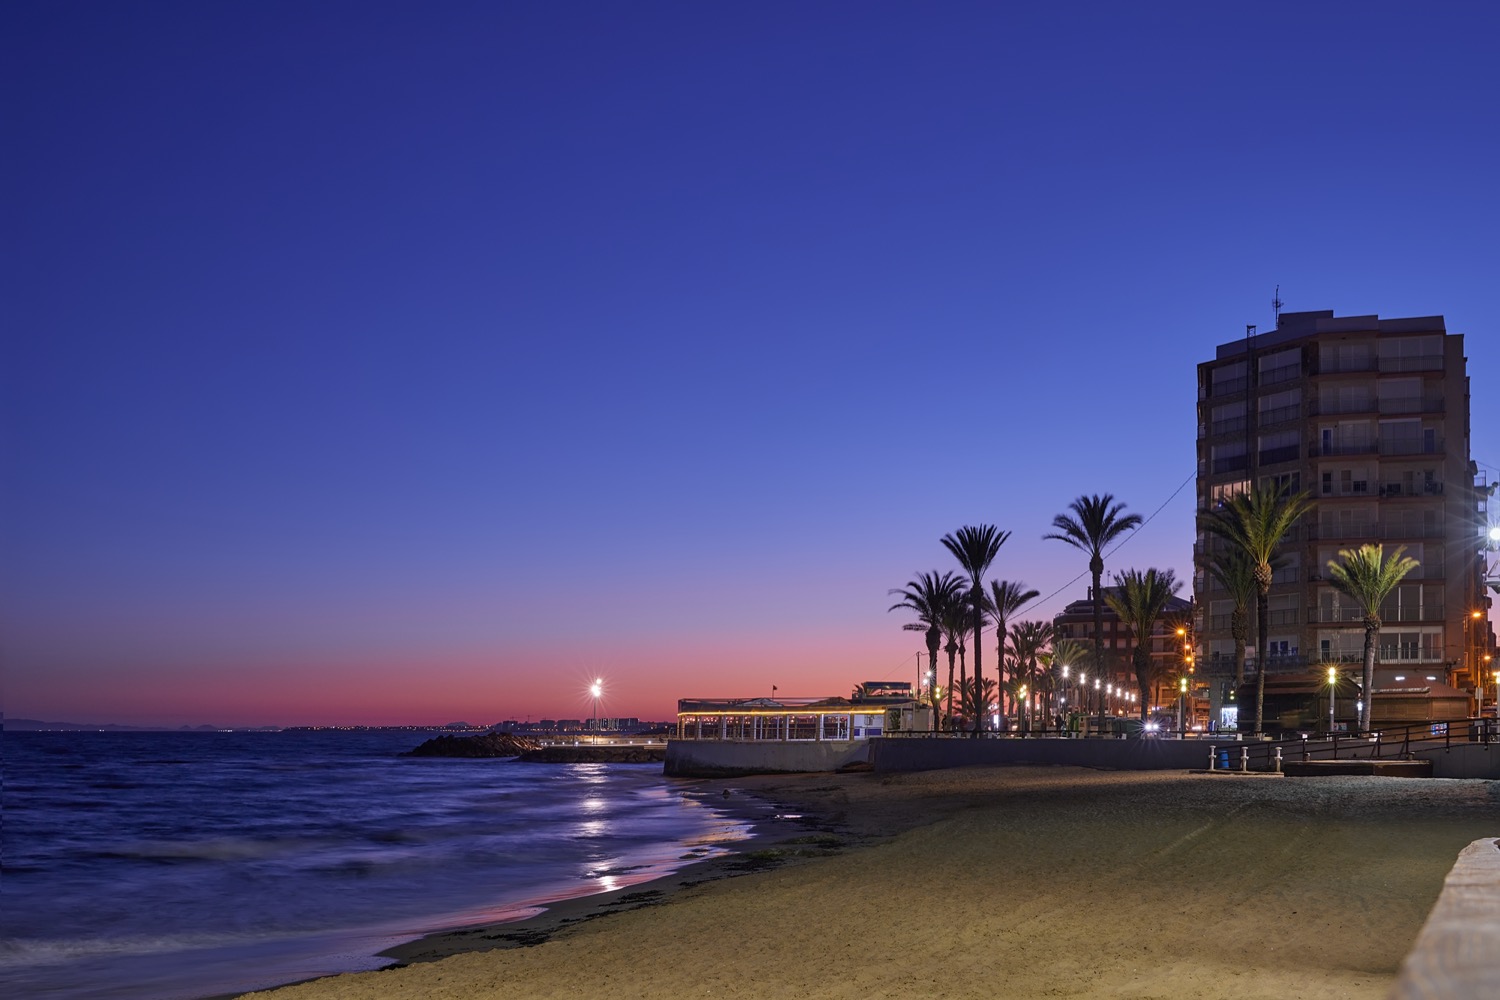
{"x":37,"y":725}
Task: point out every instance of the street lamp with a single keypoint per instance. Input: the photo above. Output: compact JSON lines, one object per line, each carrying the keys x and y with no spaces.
{"x":1182,"y":707}
{"x":596,"y":689}
{"x":1333,"y":681}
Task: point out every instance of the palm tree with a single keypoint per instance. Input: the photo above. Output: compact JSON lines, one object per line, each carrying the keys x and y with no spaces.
{"x":1235,"y":573}
{"x":955,"y":625}
{"x":1064,"y":653}
{"x":1028,"y":640}
{"x":975,"y":548}
{"x":1096,"y":521}
{"x":1139,"y":599}
{"x":1255,"y":523}
{"x":1006,"y":598}
{"x":1368,"y":576}
{"x":930,"y":595}
{"x":977,"y":697}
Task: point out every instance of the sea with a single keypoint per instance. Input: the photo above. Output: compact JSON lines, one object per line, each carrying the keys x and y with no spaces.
{"x":198,"y":864}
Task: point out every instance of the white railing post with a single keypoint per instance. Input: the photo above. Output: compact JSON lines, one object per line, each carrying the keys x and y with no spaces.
{"x":1213,"y":753}
{"x":1278,"y":760}
{"x":1244,"y":759}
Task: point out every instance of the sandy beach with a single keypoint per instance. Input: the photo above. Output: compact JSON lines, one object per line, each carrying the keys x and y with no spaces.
{"x":1003,"y":882}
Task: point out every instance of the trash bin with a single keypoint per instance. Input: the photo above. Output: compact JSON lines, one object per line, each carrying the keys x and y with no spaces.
{"x":1224,"y":759}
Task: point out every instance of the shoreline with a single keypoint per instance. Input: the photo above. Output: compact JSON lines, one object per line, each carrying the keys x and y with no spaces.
{"x":999,"y":882}
{"x":766,"y":832}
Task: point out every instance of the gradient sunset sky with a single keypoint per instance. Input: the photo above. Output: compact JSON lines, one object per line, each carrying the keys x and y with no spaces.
{"x":407,"y":363}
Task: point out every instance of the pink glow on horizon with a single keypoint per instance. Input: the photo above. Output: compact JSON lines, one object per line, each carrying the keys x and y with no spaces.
{"x":639,"y":680}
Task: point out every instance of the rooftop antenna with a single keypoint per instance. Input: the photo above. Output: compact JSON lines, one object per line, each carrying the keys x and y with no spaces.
{"x":1276,"y":305}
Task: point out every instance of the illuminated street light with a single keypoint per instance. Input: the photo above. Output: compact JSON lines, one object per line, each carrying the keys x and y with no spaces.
{"x":596,"y":689}
{"x":1333,"y":681}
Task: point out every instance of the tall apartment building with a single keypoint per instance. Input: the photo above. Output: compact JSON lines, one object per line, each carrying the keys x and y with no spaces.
{"x":1371,"y":417}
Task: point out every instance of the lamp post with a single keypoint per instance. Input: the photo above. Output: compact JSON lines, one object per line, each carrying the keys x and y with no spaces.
{"x":1333,"y":682}
{"x":596,"y":689}
{"x":1182,"y":708}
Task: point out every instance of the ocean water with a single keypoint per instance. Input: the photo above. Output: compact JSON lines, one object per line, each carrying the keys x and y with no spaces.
{"x":176,"y":865}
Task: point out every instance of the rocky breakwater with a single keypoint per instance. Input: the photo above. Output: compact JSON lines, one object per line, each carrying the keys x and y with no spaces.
{"x":521,"y":748}
{"x":483,"y":745}
{"x":596,"y":753}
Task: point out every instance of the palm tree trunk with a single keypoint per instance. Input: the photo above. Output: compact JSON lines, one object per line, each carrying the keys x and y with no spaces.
{"x":1372,"y":632}
{"x":979,"y":708}
{"x":1000,"y":665}
{"x":952,"y":649}
{"x":1262,"y":652}
{"x":1098,"y":570}
{"x":1143,"y":677}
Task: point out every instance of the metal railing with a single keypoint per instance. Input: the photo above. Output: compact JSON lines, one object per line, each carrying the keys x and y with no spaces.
{"x":1399,"y":741}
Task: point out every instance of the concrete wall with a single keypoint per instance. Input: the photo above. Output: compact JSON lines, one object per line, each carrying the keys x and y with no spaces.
{"x":1470,"y":760}
{"x":1455,"y":953}
{"x":727,"y":758}
{"x":917,"y":754}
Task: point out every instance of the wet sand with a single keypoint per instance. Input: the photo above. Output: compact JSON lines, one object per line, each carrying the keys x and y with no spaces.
{"x":1003,"y":882}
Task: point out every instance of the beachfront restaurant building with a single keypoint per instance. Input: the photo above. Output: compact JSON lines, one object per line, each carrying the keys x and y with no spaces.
{"x":792,"y":719}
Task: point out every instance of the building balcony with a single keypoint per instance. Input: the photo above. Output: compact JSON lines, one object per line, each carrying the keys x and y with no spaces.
{"x":1354,"y":531}
{"x":1345,"y":366}
{"x":1235,"y":463}
{"x":1286,"y":373}
{"x":1424,"y":489}
{"x":1335,"y":448}
{"x":1234,"y":425}
{"x":1420,"y":363}
{"x":1431,"y":611}
{"x":1427,"y":445}
{"x":1334,"y":408}
{"x":1275,"y":456}
{"x":1279,"y":415}
{"x":1399,"y":531}
{"x":1425,"y":404}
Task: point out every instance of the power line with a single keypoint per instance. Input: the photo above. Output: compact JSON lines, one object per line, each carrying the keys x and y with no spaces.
{"x":1133,"y":533}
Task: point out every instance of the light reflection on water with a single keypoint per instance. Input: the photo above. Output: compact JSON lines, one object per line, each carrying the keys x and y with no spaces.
{"x":211,"y":853}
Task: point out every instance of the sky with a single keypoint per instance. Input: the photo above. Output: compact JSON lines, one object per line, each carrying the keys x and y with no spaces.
{"x":374,"y":363}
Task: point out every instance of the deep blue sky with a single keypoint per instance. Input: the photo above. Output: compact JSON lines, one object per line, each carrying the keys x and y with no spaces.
{"x":377,"y":362}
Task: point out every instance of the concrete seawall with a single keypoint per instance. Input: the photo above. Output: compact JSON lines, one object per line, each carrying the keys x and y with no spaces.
{"x":731,"y":758}
{"x":917,"y":754}
{"x":1455,"y":953}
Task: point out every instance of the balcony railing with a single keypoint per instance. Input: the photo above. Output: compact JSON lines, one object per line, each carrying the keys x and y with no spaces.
{"x":1279,"y":415}
{"x":1411,"y":489}
{"x":1420,"y":363}
{"x":1333,"y":407}
{"x":1354,"y":488}
{"x":1336,"y":366}
{"x":1272,"y":456}
{"x":1406,"y":529}
{"x":1234,"y":425}
{"x":1334,"y":531}
{"x":1334,"y":616}
{"x":1284,"y":373}
{"x":1230,"y":386}
{"x":1407,"y":404}
{"x":1412,"y":446}
{"x":1231,"y":464}
{"x":1408,"y":653}
{"x":1343,"y":448}
{"x":1284,"y":616}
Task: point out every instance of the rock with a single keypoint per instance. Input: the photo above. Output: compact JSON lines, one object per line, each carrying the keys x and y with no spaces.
{"x":483,"y":745}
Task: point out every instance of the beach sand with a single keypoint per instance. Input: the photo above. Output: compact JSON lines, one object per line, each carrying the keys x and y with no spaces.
{"x":1006,"y":882}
